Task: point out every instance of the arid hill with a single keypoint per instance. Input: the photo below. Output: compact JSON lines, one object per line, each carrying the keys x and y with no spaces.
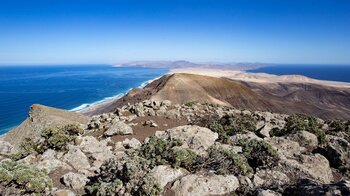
{"x":306,"y":98}
{"x":39,"y":118}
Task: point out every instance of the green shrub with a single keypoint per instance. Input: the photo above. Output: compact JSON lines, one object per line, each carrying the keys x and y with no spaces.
{"x":191,"y":103}
{"x":183,"y":158}
{"x":149,"y":187}
{"x":26,"y":179}
{"x":129,"y":176}
{"x":26,"y":147}
{"x":229,"y":125}
{"x":57,"y":138}
{"x":259,"y":153}
{"x":105,"y":188}
{"x":300,"y":122}
{"x":224,"y":161}
{"x":337,"y":126}
{"x":158,"y":151}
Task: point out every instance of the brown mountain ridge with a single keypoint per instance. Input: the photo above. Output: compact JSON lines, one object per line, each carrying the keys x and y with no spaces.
{"x":306,"y":98}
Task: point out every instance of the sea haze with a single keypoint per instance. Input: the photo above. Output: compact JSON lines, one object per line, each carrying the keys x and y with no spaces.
{"x":65,"y":87}
{"x":339,"y":73}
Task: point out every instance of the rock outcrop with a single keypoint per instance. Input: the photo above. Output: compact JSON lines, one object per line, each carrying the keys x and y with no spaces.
{"x":41,"y":117}
{"x":195,"y":149}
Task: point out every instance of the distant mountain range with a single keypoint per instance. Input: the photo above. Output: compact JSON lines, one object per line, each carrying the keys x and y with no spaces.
{"x":186,"y":64}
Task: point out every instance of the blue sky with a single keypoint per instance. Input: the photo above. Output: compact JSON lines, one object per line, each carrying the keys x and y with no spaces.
{"x":101,"y":31}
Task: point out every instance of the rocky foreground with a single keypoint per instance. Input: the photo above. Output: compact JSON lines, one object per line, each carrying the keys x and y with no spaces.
{"x":159,"y":148}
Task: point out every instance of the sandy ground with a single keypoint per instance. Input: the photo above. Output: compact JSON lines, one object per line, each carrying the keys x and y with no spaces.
{"x":259,"y":77}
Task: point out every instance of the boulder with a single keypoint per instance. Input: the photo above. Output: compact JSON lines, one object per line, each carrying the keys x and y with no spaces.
{"x":337,"y":152}
{"x":76,"y":158}
{"x":98,"y":151}
{"x":265,"y":130}
{"x":199,"y":139}
{"x":285,"y":148}
{"x":268,"y":193}
{"x":200,"y":185}
{"x":173,"y":114}
{"x":132,"y":143}
{"x":315,"y":167}
{"x":63,"y":192}
{"x":266,"y":178}
{"x":137,"y":109}
{"x":307,"y":187}
{"x":150,"y":123}
{"x":119,"y":128}
{"x":50,"y":163}
{"x":74,"y":180}
{"x":164,"y":174}
{"x":248,"y":136}
{"x":305,"y":138}
{"x":166,"y":103}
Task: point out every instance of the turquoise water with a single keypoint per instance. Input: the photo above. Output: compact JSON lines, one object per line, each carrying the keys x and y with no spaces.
{"x":339,"y":73}
{"x":65,"y":87}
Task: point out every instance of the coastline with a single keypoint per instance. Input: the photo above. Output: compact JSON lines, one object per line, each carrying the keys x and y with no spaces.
{"x":95,"y":105}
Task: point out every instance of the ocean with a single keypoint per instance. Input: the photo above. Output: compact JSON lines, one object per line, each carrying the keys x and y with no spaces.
{"x":339,"y":73}
{"x":67,"y":87}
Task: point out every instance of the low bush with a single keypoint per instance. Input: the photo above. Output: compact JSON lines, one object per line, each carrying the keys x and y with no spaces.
{"x":259,"y":153}
{"x":300,"y":122}
{"x":101,"y":188}
{"x":229,"y":125}
{"x":338,"y":126}
{"x":159,"y":151}
{"x":57,"y":138}
{"x":183,"y":158}
{"x":26,"y":147}
{"x":223,"y":161}
{"x":191,"y":103}
{"x":127,"y":177}
{"x":23,"y":179}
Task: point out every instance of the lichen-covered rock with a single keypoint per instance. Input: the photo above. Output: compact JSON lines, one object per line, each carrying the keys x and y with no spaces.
{"x":98,"y":151}
{"x":119,"y":128}
{"x":285,"y":148}
{"x":74,"y":180}
{"x":50,"y":163}
{"x":199,"y":185}
{"x":166,"y":103}
{"x":199,"y":139}
{"x":269,"y":177}
{"x":76,"y":158}
{"x":164,"y":174}
{"x":265,"y":129}
{"x":305,"y":138}
{"x":249,"y":136}
{"x":150,"y":123}
{"x":307,"y":187}
{"x":131,"y":143}
{"x":338,"y":153}
{"x":315,"y":167}
{"x":173,"y":114}
{"x":63,"y":192}
{"x":268,"y":193}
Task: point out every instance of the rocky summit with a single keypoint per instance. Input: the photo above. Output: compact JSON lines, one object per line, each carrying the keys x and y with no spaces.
{"x":161,"y":148}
